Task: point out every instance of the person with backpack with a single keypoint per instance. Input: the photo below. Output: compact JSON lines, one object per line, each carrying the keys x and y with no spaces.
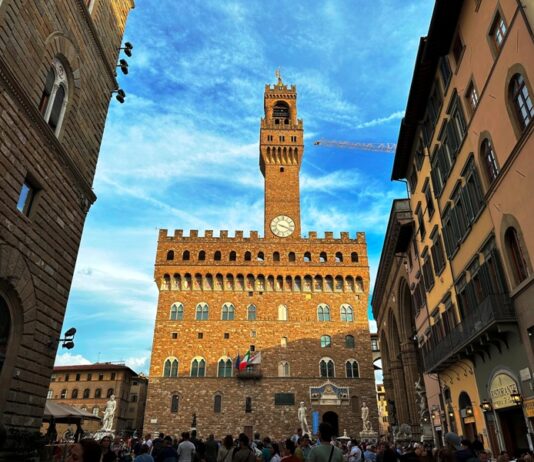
{"x":243,"y":453}
{"x":325,"y":451}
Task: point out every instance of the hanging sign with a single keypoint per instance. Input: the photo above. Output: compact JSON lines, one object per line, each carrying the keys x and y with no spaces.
{"x":501,"y":387}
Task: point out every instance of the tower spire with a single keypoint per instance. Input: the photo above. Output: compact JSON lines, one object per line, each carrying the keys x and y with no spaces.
{"x":278,"y":75}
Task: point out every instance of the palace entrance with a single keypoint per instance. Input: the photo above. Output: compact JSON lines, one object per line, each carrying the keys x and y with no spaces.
{"x":333,"y":419}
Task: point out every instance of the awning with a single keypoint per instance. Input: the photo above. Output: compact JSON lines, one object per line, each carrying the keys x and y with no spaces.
{"x":63,"y":413}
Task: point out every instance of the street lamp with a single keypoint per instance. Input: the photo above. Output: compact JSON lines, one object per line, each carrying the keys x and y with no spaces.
{"x":469,"y":411}
{"x":516,"y":398}
{"x":450,"y":411}
{"x":486,"y":405}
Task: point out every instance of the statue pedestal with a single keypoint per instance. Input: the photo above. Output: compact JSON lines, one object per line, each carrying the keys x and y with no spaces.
{"x":369,"y":435}
{"x":101,"y":433}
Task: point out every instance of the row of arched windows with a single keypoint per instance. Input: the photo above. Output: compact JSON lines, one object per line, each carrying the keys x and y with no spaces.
{"x":262,"y":283}
{"x":260,"y":256}
{"x":346,"y":312}
{"x":225,"y":368}
{"x":85,"y":394}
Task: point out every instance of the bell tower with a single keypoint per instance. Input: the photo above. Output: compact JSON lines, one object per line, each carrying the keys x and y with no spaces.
{"x":281,"y":149}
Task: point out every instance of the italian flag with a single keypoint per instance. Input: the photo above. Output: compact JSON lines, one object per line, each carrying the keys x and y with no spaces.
{"x":244,"y":361}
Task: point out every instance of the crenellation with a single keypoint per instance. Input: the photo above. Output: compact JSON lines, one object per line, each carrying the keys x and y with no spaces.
{"x":208,"y":234}
{"x":312,"y":235}
{"x":193,"y":233}
{"x":178,"y":233}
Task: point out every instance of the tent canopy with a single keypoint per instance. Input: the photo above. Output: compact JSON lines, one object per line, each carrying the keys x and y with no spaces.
{"x":63,"y":413}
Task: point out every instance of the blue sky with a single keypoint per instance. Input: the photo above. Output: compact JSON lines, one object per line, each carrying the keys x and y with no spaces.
{"x":182,"y":152}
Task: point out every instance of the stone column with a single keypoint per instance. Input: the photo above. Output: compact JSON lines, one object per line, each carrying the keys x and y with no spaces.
{"x":399,"y":391}
{"x":411,"y":375}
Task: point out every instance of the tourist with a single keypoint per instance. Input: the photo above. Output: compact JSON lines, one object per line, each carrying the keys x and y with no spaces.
{"x":144,"y":455}
{"x":465,"y":453}
{"x":483,"y":456}
{"x":369,"y":454}
{"x":86,"y":450}
{"x":266,"y":452}
{"x":355,"y":454}
{"x":276,"y":457}
{"x":295,"y":438}
{"x":303,"y":449}
{"x":225,"y":451}
{"x":167,"y":453}
{"x":243,"y":453}
{"x":325,"y":451}
{"x":157,"y":445}
{"x":148,"y":440}
{"x":107,"y":454}
{"x":186,"y":449}
{"x":289,"y":452}
{"x":503,"y":457}
{"x":212,"y":447}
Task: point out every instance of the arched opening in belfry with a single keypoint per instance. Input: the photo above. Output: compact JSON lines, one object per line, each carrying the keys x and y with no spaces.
{"x":281,"y":110}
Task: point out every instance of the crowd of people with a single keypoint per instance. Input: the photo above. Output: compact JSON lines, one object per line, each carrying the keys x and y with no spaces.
{"x":297,"y":448}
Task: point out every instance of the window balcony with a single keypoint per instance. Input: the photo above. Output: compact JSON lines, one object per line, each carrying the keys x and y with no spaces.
{"x":485,"y":325}
{"x":250,"y":373}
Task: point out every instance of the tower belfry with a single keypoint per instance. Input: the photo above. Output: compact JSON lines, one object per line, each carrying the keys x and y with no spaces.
{"x":281,"y":149}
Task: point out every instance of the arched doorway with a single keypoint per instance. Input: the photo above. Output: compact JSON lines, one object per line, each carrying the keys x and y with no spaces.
{"x":5,"y":329}
{"x":466,"y":416}
{"x":333,"y":419}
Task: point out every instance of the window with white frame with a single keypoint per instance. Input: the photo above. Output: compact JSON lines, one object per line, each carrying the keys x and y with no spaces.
{"x":283,"y":369}
{"x":347,"y":313}
{"x":54,"y":98}
{"x":352,"y":369}
{"x":326,"y":367}
{"x":323,"y":312}
{"x":282,"y":313}
{"x":228,"y":311}
{"x":198,"y":367}
{"x":177,"y":312}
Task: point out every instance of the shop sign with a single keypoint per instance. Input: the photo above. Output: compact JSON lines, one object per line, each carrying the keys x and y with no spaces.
{"x":502,"y":386}
{"x":529,"y":407}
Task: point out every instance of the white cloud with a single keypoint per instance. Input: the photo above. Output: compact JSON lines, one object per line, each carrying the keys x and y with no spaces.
{"x":372,"y":326}
{"x":138,"y":363}
{"x":68,"y":359}
{"x":373,"y":123}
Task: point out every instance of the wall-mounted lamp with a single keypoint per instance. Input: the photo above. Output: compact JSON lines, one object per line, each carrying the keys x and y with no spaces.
{"x":486,"y":405}
{"x":123,"y":64}
{"x":516,"y":398}
{"x":121,"y":94}
{"x":128,"y":47}
{"x":68,"y":340}
{"x":450,"y":411}
{"x":469,"y":411}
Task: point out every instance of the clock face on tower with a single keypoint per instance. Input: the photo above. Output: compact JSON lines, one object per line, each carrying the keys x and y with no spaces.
{"x":282,"y":226}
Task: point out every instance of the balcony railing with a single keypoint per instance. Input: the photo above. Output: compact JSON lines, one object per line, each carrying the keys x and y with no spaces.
{"x":483,"y":319}
{"x":250,"y":373}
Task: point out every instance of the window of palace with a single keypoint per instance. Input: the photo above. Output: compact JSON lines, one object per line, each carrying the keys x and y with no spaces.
{"x":346,"y":313}
{"x":352,"y":369}
{"x":323,"y":312}
{"x":202,"y":312}
{"x":177,"y":312}
{"x":326,"y":341}
{"x":198,"y":367}
{"x":326,"y":367}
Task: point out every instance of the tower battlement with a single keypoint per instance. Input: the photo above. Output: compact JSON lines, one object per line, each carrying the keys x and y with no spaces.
{"x":273,"y":91}
{"x":239,"y":236}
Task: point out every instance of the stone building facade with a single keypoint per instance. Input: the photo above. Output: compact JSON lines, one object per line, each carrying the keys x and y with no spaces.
{"x":90,"y":386}
{"x":298,"y":303}
{"x":464,"y":147}
{"x":57,"y":74}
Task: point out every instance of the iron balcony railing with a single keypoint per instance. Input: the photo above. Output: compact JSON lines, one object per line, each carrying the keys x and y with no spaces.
{"x":492,"y":310}
{"x":250,"y":373}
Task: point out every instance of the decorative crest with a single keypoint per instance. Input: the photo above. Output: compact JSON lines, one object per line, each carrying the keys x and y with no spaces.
{"x":278,"y":76}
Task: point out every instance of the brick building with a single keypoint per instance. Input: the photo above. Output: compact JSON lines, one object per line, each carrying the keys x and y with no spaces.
{"x":299,"y":302}
{"x":90,"y":386}
{"x":57,"y":74}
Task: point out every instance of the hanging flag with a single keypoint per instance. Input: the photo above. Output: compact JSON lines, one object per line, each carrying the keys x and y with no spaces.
{"x":256,"y":358}
{"x":245,"y":361}
{"x":237,"y":361}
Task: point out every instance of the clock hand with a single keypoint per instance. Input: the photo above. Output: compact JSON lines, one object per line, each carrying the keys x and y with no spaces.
{"x":283,"y":226}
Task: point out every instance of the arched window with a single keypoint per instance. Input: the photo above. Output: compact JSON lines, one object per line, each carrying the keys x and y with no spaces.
{"x":186,"y":256}
{"x":283,"y":369}
{"x":177,"y":312}
{"x":298,"y":284}
{"x":187,"y":282}
{"x":346,"y":312}
{"x":349,"y":284}
{"x":354,"y":257}
{"x":520,"y":100}
{"x":326,"y":367}
{"x":359,"y":284}
{"x":250,"y":282}
{"x":224,"y":368}
{"x":175,"y":403}
{"x":260,"y":257}
{"x":351,"y":369}
{"x":326,"y":341}
{"x":170,"y":368}
{"x":166,"y":282}
{"x":248,"y":256}
{"x":176,"y":282}
{"x":289,"y":284}
{"x":307,"y":256}
{"x":349,"y":341}
{"x":87,"y":391}
{"x":307,"y":283}
{"x":276,"y":256}
{"x":63,"y":394}
{"x":488,"y":160}
{"x":248,"y":404}
{"x":281,"y":110}
{"x":318,"y":284}
{"x":322,"y":257}
{"x":217,"y":404}
{"x":339,"y":257}
{"x":233,"y":256}
{"x":323,"y":312}
{"x":279,"y":282}
{"x":208,"y":282}
{"x":339,"y":284}
{"x":217,"y":255}
{"x":74,"y":394}
{"x":329,"y":283}
{"x":515,"y":255}
{"x":202,"y":255}
{"x":54,"y":99}
{"x":109,"y":393}
{"x":198,"y":367}
{"x":282,"y":312}
{"x":283,"y":342}
{"x":251,"y":313}
{"x":227,"y":312}
{"x":291,"y":256}
{"x":230,"y":282}
{"x":202,"y":312}
{"x":170,"y":255}
{"x":240,"y":282}
{"x":98,"y":393}
{"x":219,"y":282}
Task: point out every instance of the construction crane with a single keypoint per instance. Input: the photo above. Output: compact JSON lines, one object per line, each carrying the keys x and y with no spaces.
{"x":376,"y":147}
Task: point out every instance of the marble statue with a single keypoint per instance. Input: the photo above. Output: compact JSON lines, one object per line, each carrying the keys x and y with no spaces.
{"x":365,"y":418}
{"x":109,"y":413}
{"x":302,"y":418}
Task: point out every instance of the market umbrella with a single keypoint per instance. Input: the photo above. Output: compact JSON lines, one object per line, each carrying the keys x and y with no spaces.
{"x":63,"y":413}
